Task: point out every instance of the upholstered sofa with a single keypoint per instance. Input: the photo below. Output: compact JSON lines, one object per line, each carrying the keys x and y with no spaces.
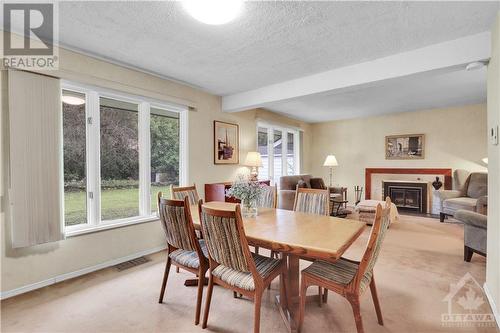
{"x":288,"y":185}
{"x":472,"y":196}
{"x":475,"y":226}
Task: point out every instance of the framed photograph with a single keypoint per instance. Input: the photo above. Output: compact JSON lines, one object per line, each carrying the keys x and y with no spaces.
{"x":226,"y":143}
{"x":405,"y":147}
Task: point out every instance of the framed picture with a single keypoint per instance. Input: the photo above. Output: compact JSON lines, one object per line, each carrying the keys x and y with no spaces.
{"x":226,"y":143}
{"x":405,"y":147}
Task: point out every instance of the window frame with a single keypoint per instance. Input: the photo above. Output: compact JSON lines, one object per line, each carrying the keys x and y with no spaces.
{"x":93,"y":150}
{"x":284,"y":147}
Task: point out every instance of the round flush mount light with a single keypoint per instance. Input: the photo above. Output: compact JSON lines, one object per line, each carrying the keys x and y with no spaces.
{"x":214,"y":12}
{"x":73,"y":100}
{"x":474,"y":66}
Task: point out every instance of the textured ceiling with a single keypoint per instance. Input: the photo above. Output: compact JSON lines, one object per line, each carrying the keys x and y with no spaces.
{"x":422,"y":92}
{"x":269,"y":43}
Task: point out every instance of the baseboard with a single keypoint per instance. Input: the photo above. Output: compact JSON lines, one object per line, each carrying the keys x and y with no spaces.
{"x":70,"y":275}
{"x":493,"y":306}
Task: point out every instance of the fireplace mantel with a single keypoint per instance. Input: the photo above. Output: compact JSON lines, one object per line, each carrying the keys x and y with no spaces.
{"x":405,"y":171}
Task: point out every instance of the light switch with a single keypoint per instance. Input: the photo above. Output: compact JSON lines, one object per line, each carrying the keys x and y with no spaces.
{"x":494,"y":135}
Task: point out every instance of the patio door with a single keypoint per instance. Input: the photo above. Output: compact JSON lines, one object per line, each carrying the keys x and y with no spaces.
{"x":279,"y":149}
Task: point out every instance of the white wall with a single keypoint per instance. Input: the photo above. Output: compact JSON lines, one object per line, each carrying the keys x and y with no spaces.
{"x":454,"y":138}
{"x":492,"y":284}
{"x":27,"y":266}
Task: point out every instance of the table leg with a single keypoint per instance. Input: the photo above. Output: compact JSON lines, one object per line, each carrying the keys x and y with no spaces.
{"x":288,"y":300}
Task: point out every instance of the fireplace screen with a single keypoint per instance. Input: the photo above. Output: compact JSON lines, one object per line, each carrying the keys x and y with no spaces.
{"x":409,"y":196}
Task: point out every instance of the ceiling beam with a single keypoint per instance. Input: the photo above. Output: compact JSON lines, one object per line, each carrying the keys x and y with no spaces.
{"x":440,"y":56}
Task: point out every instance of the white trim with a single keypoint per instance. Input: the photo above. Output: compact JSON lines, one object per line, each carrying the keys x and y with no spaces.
{"x":80,"y":272}
{"x":493,"y":306}
{"x":144,"y":141}
{"x":82,"y":229}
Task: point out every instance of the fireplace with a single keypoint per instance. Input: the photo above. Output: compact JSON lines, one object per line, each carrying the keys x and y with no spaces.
{"x":409,"y":196}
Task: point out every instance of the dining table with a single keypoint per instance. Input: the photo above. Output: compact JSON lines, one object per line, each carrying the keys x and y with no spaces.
{"x":295,"y":235}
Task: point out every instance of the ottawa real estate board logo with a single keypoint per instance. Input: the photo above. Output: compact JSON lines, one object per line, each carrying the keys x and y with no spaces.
{"x":30,"y":35}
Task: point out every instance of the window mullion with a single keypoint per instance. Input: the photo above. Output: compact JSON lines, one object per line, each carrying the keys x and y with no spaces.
{"x":183,"y":149}
{"x":93,"y":162}
{"x":296,"y":152}
{"x":144,"y":159}
{"x":284,"y":152}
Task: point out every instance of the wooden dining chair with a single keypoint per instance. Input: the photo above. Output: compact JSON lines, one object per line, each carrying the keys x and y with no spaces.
{"x":312,"y":201}
{"x":267,"y":199}
{"x":180,"y":193}
{"x":232,"y":265}
{"x":184,"y":249}
{"x":350,"y":278}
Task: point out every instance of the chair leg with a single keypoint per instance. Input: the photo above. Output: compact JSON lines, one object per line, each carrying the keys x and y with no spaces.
{"x":373,"y":290}
{"x":320,"y":296}
{"x":325,"y":296}
{"x":467,"y":253}
{"x":208,"y":300}
{"x":256,"y":316}
{"x":201,"y":282}
{"x":165,"y":278}
{"x":354,"y":300}
{"x":442,"y":216}
{"x":256,"y":249}
{"x":302,"y":303}
{"x":177,"y":269}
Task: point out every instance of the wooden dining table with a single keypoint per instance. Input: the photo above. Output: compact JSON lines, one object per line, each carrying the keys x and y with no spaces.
{"x":296,"y":236}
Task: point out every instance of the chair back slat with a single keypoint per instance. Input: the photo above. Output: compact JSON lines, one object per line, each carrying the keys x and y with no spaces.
{"x":225,"y":238}
{"x":268,"y":197}
{"x":180,"y":193}
{"x":312,"y":201}
{"x":175,"y":223}
{"x":379,"y":230}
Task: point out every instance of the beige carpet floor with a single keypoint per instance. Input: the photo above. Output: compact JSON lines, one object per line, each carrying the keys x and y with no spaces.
{"x":419,"y":260}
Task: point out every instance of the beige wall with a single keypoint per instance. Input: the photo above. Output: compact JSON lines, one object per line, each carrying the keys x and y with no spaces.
{"x":31,"y":265}
{"x":455,"y":138}
{"x":493,"y":250}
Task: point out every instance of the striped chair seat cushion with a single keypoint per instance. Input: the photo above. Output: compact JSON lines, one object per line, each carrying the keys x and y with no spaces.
{"x":244,"y":280}
{"x":340,"y":272}
{"x":189,"y":258}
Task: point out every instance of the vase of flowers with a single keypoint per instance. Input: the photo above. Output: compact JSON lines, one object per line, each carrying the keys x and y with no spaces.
{"x":248,"y":192}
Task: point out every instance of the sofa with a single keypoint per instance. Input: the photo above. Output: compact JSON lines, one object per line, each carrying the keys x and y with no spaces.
{"x":472,"y":196}
{"x":289,"y":184}
{"x":475,"y":228}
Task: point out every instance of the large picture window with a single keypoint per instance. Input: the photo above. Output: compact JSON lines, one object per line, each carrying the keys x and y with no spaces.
{"x":119,"y":152}
{"x":279,"y":150}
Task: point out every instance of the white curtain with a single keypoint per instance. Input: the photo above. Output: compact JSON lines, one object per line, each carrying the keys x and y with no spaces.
{"x":35,"y":148}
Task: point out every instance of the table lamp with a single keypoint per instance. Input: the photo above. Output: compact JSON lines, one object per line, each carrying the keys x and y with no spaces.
{"x":254,"y":161}
{"x":330,"y":162}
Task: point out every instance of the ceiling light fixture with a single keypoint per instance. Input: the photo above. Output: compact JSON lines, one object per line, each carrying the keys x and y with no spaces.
{"x":474,"y":65}
{"x":73,"y":100}
{"x":213,"y":12}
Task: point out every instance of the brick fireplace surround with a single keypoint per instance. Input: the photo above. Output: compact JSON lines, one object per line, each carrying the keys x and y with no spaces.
{"x":405,"y":171}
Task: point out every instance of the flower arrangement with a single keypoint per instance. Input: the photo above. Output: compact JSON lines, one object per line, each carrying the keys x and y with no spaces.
{"x":248,"y":192}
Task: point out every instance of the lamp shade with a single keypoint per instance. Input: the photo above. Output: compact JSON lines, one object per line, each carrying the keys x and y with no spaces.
{"x":253,"y":159}
{"x":330,"y":161}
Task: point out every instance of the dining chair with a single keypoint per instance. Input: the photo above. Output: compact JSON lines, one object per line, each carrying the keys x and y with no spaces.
{"x":312,"y":201}
{"x":347,"y":277}
{"x":180,"y":193}
{"x":184,"y":249}
{"x":232,"y":265}
{"x":267,"y":199}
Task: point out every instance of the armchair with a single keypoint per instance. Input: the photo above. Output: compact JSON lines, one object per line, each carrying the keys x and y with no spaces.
{"x":471,"y":197}
{"x":475,"y":228}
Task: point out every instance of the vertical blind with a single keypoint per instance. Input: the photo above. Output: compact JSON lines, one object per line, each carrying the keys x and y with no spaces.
{"x":35,"y":148}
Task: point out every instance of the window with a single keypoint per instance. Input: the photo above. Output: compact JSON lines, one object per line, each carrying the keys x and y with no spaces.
{"x":119,"y":152}
{"x":278,"y":147}
{"x":75,"y":156}
{"x":164,"y":152}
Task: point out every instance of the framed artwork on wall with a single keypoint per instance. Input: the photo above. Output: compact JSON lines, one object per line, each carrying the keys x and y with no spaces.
{"x":226,"y":143}
{"x":405,"y":147}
